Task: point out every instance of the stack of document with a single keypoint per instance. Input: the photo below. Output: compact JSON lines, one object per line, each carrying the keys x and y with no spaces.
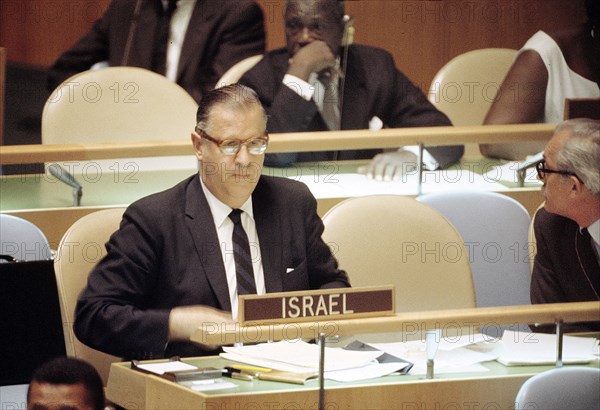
{"x":296,"y":356}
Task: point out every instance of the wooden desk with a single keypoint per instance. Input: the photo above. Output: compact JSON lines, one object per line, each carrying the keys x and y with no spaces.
{"x":495,"y":389}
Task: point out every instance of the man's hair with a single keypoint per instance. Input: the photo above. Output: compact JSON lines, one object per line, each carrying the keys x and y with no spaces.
{"x":581,"y":153}
{"x":68,"y":370}
{"x":236,"y":97}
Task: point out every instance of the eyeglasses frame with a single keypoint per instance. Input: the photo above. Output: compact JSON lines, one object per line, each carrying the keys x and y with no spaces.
{"x":541,"y":171}
{"x":205,"y":135}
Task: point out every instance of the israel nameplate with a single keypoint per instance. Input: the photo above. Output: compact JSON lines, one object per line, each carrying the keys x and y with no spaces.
{"x":313,"y":305}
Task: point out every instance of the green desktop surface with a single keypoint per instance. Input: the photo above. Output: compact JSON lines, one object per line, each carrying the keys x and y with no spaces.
{"x":492,"y":389}
{"x":494,"y":369}
{"x":112,"y":187}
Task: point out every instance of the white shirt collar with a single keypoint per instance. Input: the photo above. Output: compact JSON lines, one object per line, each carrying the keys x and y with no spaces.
{"x":219,"y":210}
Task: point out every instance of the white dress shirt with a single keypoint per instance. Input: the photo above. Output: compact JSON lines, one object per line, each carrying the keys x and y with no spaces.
{"x":177,"y":29}
{"x":220,"y":213}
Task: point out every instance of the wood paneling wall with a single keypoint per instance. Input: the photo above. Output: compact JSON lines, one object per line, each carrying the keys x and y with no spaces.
{"x":422,"y":35}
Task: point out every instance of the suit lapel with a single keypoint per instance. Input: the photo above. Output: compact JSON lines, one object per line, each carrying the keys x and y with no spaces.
{"x":355,"y":94}
{"x":268,"y":227}
{"x":202,"y":228}
{"x":195,"y":36}
{"x":143,"y":42}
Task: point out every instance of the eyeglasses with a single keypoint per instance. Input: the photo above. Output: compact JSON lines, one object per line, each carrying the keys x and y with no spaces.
{"x":255,"y":145}
{"x":541,"y":171}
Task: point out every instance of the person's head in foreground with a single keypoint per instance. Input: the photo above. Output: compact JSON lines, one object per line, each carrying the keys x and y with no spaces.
{"x":571,"y":171}
{"x":65,"y":383}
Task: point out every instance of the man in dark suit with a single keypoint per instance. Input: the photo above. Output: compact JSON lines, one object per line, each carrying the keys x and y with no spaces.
{"x":567,"y":229}
{"x":205,"y":38}
{"x":296,"y":83}
{"x":172,"y":266}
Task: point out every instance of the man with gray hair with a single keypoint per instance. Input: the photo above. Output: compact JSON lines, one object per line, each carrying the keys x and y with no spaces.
{"x":567,"y":229}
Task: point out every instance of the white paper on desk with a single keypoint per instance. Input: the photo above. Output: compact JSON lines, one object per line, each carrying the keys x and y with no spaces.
{"x":522,"y":348}
{"x":302,"y":354}
{"x":451,"y":343}
{"x":508,"y":173}
{"x":162,"y":368}
{"x":369,"y":371}
{"x":350,"y":185}
{"x":455,"y":355}
{"x":210,"y":385}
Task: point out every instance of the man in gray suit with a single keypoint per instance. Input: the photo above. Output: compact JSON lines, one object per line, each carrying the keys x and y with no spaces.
{"x":171,"y":267}
{"x":567,"y":229}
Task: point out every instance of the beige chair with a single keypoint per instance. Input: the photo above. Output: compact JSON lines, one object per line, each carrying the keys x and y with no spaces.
{"x":395,"y":240}
{"x":80,"y":249}
{"x":117,"y":104}
{"x":531,"y":238}
{"x":465,"y":87}
{"x":236,"y":71}
{"x":22,"y":240}
{"x":120,"y":104}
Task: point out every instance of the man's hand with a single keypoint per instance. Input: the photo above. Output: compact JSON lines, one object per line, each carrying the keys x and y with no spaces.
{"x":314,"y":57}
{"x":184,"y":320}
{"x":390,"y":166}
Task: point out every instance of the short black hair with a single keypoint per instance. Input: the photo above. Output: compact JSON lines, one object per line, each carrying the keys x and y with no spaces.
{"x":69,"y":370}
{"x":341,"y":9}
{"x":236,"y":96}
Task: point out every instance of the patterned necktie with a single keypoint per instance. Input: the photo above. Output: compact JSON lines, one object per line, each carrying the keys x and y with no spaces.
{"x":241,"y":254}
{"x":161,"y":36}
{"x":331,"y":108}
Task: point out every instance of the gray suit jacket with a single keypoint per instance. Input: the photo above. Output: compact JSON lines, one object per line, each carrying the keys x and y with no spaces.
{"x":166,"y":254}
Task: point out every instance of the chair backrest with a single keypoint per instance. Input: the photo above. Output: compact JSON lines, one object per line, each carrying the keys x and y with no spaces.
{"x":22,"y":240}
{"x":392,"y":239}
{"x":495,"y":229}
{"x":561,"y":388}
{"x":582,"y":108}
{"x":117,"y":104}
{"x":81,"y":247}
{"x":466,"y":86}
{"x":236,"y":71}
{"x":531,"y":237}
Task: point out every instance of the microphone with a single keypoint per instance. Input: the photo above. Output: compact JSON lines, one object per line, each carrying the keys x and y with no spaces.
{"x":528,"y":163}
{"x":347,"y":39}
{"x":66,"y":177}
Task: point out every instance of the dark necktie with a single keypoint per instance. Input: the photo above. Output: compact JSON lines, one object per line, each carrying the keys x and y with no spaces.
{"x":241,"y":254}
{"x":161,"y":36}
